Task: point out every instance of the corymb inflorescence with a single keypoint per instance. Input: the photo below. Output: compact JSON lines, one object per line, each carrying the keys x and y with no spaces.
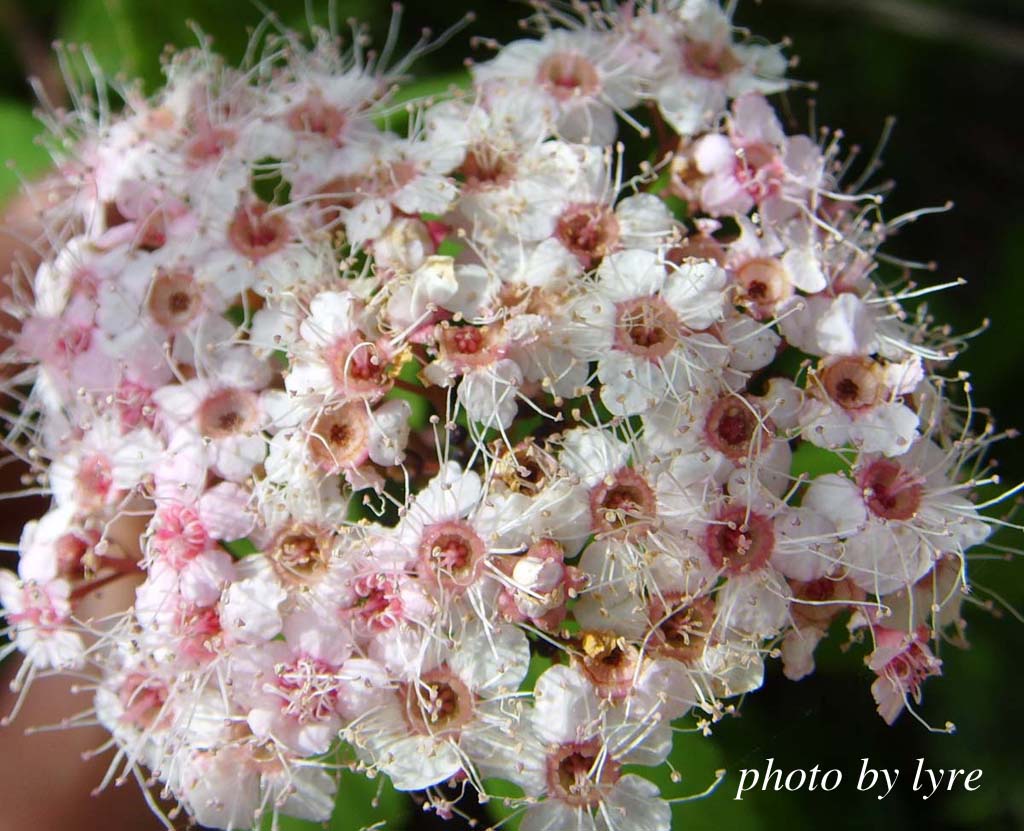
{"x":494,"y":448}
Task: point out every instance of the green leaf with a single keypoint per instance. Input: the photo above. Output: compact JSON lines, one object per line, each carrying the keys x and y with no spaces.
{"x":129,"y":36}
{"x":440,"y":86}
{"x":268,"y":184}
{"x":18,"y":145}
{"x":813,"y":461}
{"x":419,"y":417}
{"x":240,"y":548}
{"x":696,"y":759}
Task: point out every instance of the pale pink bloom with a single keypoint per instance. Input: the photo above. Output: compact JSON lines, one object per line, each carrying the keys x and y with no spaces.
{"x":644,"y":321}
{"x":902,"y":662}
{"x":39,"y":613}
{"x":898,"y":515}
{"x":701,"y":65}
{"x":576,"y":80}
{"x":572,"y":756}
{"x":756,"y":164}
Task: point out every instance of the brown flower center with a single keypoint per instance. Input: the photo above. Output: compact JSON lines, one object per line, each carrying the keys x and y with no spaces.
{"x":646,"y":327}
{"x":624,"y":506}
{"x":853,"y":383}
{"x":175,"y":299}
{"x":228,"y":412}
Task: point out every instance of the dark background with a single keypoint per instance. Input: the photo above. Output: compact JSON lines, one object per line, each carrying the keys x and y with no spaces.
{"x":952,"y":72}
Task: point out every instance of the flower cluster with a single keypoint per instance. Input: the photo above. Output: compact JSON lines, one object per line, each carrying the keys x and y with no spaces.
{"x":459,"y":452}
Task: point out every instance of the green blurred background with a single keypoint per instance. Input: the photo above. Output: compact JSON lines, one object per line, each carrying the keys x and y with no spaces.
{"x":952,"y":71}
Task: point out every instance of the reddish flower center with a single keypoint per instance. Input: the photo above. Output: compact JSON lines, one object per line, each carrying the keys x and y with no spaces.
{"x":317,"y":117}
{"x":469,"y":346}
{"x":683,"y":632}
{"x":95,"y":479}
{"x":763,"y":282}
{"x":758,"y":169}
{"x":452,"y":554}
{"x":890,"y":491}
{"x":208,"y":145}
{"x":378,"y":605}
{"x":359,"y":368}
{"x":588,"y":230}
{"x":736,"y":429}
{"x":740,"y":541}
{"x":610,"y":663}
{"x":487,"y":167}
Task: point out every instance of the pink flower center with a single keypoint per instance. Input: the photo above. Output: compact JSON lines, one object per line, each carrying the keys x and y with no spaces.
{"x":487,"y":167}
{"x":646,"y":327}
{"x":133,"y":404}
{"x":580,"y":775}
{"x":199,"y":630}
{"x":740,"y":541}
{"x":208,"y":145}
{"x":468,"y":347}
{"x":181,"y":535}
{"x":317,"y":117}
{"x":308,"y":688}
{"x":38,"y":610}
{"x":95,"y":479}
{"x":256,"y":233}
{"x":890,"y":491}
{"x":378,"y":605}
{"x":452,"y":554}
{"x":567,"y":75}
{"x":589,"y":230}
{"x":359,"y":368}
{"x":759,"y":170}
{"x":73,"y":339}
{"x":143,"y":699}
